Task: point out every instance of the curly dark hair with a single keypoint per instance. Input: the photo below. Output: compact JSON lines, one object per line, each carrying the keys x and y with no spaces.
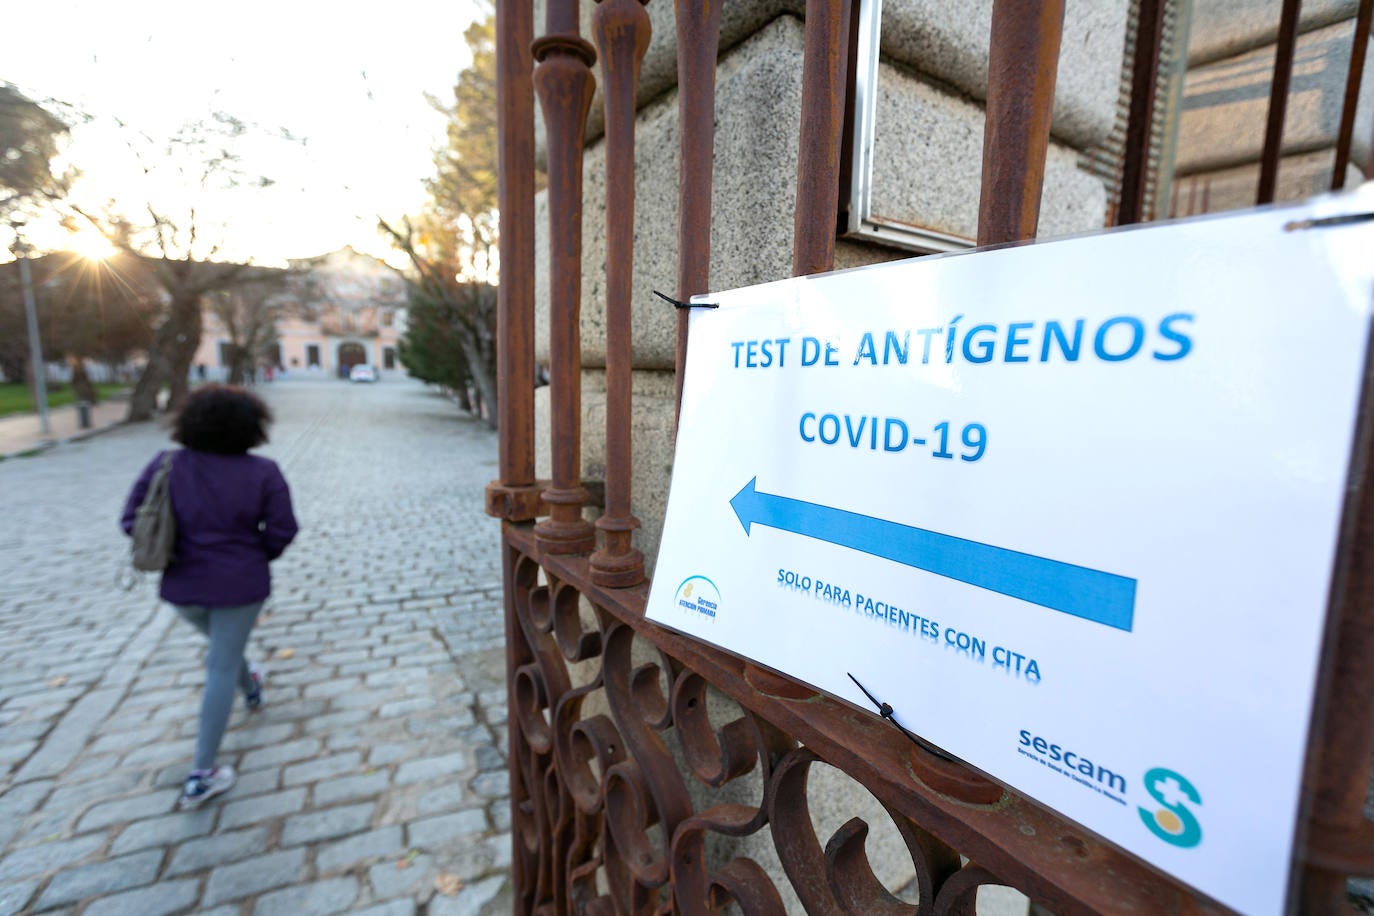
{"x":223,"y":419}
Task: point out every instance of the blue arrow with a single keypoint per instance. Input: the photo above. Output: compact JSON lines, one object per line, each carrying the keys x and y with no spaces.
{"x":1094,"y":595}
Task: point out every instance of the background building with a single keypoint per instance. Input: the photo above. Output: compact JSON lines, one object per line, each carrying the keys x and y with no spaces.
{"x":330,"y":313}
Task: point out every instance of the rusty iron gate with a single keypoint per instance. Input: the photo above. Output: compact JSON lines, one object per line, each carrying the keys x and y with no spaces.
{"x":630,"y":777}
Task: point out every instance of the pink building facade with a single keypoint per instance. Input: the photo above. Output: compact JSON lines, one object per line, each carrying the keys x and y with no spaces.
{"x":342,"y":309}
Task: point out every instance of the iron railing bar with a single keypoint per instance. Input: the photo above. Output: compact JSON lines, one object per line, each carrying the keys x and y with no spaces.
{"x":1284,"y":49}
{"x":825,"y":79}
{"x":515,"y":496}
{"x":825,"y":71}
{"x":1135,"y":167}
{"x":1352,"y":94}
{"x":698,"y":43}
{"x":622,"y":36}
{"x":564,"y":83}
{"x":1023,"y":62}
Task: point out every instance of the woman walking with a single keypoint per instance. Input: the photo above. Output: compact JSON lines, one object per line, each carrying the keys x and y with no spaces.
{"x":233,"y":517}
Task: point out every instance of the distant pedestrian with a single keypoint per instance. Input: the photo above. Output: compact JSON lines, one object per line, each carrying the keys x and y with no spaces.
{"x":200,"y":371}
{"x":233,"y":517}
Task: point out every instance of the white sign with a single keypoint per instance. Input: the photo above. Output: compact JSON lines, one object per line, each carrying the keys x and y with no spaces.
{"x":1086,"y":492}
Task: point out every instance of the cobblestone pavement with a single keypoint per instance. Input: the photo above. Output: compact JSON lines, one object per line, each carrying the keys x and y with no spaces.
{"x":374,"y":778}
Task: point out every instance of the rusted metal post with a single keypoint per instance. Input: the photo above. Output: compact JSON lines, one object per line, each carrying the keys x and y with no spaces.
{"x":1135,"y":166}
{"x":515,"y":496}
{"x":698,"y":42}
{"x":824,"y":75}
{"x":563,"y":81}
{"x":825,"y":67}
{"x":1352,"y":94}
{"x":1340,"y":840}
{"x":622,"y":36}
{"x":1023,"y":62}
{"x":1278,"y":100}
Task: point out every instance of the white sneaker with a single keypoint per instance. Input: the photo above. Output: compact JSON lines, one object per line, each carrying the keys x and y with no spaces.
{"x":200,"y":788}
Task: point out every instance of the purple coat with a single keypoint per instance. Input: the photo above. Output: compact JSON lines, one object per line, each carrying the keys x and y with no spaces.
{"x":233,"y":516}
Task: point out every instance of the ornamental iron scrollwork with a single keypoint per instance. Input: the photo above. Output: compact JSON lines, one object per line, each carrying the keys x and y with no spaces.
{"x":641,"y":789}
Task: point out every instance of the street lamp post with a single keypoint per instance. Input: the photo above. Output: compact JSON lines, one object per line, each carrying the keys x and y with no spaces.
{"x":40,"y":384}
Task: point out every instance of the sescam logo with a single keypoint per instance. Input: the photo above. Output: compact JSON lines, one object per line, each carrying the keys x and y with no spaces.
{"x":699,"y":594}
{"x":1173,"y":823}
{"x":1074,"y":765}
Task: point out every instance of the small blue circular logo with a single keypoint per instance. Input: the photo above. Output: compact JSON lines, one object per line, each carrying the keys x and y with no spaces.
{"x":699,"y":595}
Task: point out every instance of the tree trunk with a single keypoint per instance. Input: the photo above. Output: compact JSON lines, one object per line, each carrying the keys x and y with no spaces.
{"x":180,"y":379}
{"x":482,"y":376}
{"x":464,"y":402}
{"x":184,"y":345}
{"x":169,"y":358}
{"x":143,"y":402}
{"x":81,"y":381}
{"x":239,"y":367}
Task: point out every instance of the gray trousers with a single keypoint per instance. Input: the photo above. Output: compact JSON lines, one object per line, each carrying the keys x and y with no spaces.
{"x":227,"y":628}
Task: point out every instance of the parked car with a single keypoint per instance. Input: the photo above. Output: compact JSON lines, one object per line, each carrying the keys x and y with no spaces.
{"x":362,"y":373}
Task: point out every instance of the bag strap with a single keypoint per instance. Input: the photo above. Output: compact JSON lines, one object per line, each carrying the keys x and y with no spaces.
{"x":167,"y":457}
{"x":161,"y":481}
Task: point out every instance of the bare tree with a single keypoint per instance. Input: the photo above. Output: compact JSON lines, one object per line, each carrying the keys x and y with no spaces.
{"x":248,"y":313}
{"x":181,"y":245}
{"x":29,"y":138}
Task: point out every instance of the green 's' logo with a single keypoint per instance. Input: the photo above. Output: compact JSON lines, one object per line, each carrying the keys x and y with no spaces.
{"x":1173,"y":823}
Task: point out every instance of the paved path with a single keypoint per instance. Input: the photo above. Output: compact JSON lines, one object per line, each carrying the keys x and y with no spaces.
{"x":374,"y":779}
{"x":22,"y":434}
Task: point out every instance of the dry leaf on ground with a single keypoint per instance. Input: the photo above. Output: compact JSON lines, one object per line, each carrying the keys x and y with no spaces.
{"x":447,"y":884}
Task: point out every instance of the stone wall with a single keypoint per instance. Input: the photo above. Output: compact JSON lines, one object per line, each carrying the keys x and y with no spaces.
{"x":1226,"y":97}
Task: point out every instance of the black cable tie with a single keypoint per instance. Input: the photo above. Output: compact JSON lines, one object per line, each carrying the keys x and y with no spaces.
{"x":886,"y":712}
{"x":1325,"y":222}
{"x":678,"y":303}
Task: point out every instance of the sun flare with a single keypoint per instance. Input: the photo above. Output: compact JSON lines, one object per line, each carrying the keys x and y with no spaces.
{"x":91,"y":245}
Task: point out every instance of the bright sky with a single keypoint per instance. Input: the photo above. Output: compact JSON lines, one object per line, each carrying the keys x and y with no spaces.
{"x":350,"y":77}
